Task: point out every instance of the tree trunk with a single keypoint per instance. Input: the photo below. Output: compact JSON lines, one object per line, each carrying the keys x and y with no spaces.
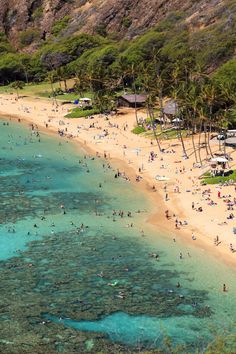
{"x":26,"y":76}
{"x":53,"y":93}
{"x":135,"y":101}
{"x":199,"y":144}
{"x":219,"y":140}
{"x":65,"y":84}
{"x":208,"y":139}
{"x":162,"y":108}
{"x":225,"y":136}
{"x":194,"y":146}
{"x":135,"y":110}
{"x":153,"y":128}
{"x":205,"y":137}
{"x":182,"y":141}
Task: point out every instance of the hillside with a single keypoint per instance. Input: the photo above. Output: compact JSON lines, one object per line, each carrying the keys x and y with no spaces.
{"x":120,"y":18}
{"x":100,"y":38}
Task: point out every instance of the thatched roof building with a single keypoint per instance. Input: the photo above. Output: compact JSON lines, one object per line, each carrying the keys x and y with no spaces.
{"x":129,"y":100}
{"x":171,"y":108}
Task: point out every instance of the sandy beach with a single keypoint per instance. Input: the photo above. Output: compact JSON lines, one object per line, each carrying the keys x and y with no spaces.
{"x":181,"y":193}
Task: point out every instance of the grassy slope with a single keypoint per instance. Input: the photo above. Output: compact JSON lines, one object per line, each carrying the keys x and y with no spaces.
{"x":41,"y":90}
{"x":219,"y":179}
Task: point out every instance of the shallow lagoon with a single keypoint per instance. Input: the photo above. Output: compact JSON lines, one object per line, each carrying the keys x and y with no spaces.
{"x":69,"y":288}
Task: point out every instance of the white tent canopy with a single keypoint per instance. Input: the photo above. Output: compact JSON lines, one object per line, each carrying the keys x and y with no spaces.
{"x":85,"y":99}
{"x":177,"y":120}
{"x":219,"y":159}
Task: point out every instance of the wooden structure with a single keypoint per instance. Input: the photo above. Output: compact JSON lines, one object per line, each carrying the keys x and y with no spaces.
{"x":132,"y":100}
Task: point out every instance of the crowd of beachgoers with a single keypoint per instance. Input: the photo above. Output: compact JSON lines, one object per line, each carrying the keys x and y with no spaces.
{"x":182,"y":206}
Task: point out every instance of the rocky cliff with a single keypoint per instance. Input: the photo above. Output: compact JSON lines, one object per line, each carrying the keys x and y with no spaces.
{"x":122,"y":18}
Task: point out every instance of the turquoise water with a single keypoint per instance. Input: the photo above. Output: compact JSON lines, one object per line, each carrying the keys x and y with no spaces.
{"x":75,"y":277}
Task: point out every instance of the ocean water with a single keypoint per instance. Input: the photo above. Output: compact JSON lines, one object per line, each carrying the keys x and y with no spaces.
{"x":76,"y":277}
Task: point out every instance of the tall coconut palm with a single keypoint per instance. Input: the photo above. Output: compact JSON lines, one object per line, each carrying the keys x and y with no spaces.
{"x":179,"y":115}
{"x":133,"y":71}
{"x":210,"y":98}
{"x":147,"y":82}
{"x":191,"y":103}
{"x":123,"y":70}
{"x":63,"y":75}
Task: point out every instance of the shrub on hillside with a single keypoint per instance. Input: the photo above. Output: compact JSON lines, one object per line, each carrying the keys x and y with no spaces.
{"x":60,"y":25}
{"x":29,"y":36}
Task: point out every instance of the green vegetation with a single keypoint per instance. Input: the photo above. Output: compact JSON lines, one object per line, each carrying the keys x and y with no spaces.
{"x":18,"y":85}
{"x":42,"y":89}
{"x":226,"y":74}
{"x":5,"y":46}
{"x":80,"y":112}
{"x":206,"y":48}
{"x":126,"y":22}
{"x":139,"y":130}
{"x":101,"y":30}
{"x":167,"y":134}
{"x":60,"y":25}
{"x":208,"y":179}
{"x":37,"y":14}
{"x":68,"y":97}
{"x":29,"y":36}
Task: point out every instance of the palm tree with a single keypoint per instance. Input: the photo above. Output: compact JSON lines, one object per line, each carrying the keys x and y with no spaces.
{"x":210,"y":98}
{"x":192,"y":102}
{"x":146,"y":77}
{"x":51,"y":78}
{"x":124,"y":70}
{"x":18,"y":85}
{"x":63,"y":75}
{"x":81,"y":81}
{"x":158,"y":78}
{"x":133,"y":74}
{"x":180,"y":117}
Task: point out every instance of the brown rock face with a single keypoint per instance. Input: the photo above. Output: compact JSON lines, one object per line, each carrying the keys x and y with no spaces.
{"x":126,"y":18}
{"x":19,"y":15}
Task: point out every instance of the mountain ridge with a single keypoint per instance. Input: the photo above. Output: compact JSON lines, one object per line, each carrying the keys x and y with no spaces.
{"x":122,"y":18}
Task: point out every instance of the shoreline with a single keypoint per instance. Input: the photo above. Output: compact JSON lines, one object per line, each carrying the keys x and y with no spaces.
{"x":85,"y":139}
